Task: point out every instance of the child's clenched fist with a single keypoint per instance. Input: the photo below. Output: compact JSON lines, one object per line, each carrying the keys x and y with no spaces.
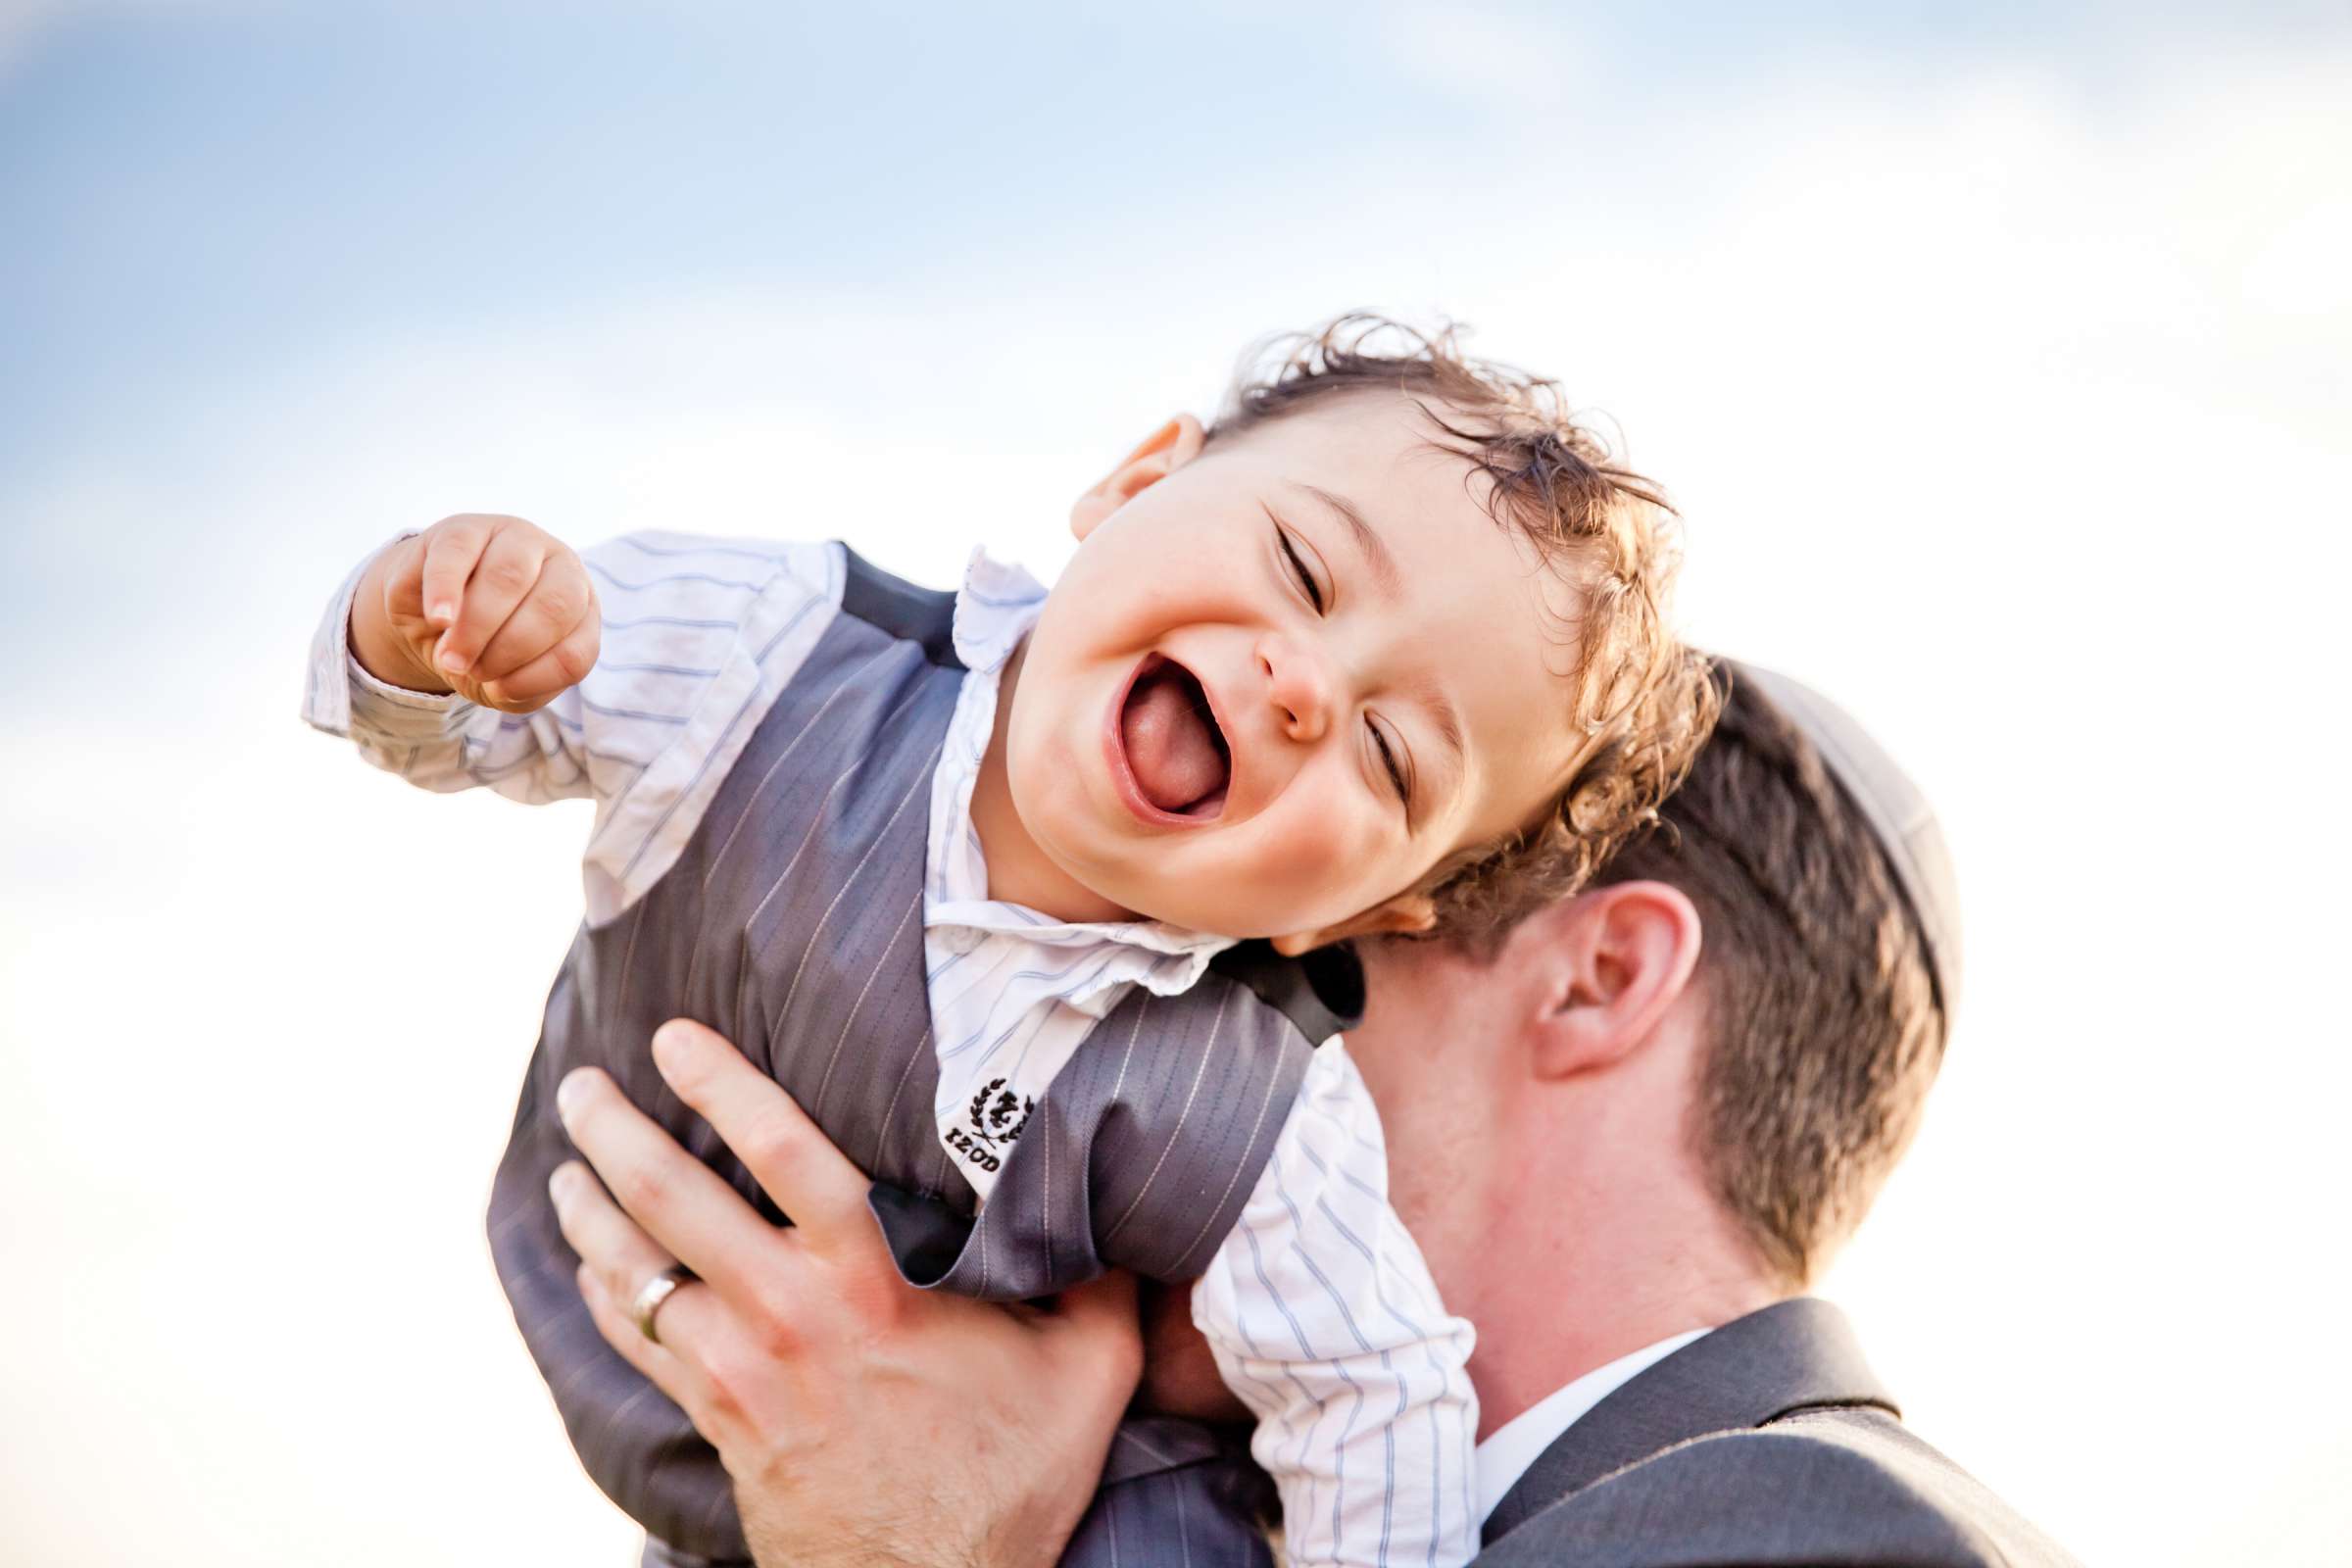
{"x":494,"y":608}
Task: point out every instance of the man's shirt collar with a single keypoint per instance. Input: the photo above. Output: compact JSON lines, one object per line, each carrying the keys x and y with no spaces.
{"x":1507,"y":1451}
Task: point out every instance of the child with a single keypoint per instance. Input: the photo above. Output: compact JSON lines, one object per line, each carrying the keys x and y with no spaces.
{"x":1383,"y":652}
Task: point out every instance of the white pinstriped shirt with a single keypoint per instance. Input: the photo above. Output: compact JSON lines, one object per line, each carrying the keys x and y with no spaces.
{"x":1318,"y":1306}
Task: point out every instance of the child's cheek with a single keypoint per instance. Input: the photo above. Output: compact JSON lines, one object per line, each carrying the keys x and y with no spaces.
{"x":1324,"y":854}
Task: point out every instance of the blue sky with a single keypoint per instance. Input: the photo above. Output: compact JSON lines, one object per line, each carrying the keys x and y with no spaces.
{"x":193,"y":191}
{"x":201,"y":199}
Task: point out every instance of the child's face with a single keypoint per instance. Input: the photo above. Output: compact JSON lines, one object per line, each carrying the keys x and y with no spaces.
{"x":1198,"y":730}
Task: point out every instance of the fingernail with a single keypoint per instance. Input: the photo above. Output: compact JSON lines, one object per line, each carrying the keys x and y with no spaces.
{"x":569,"y":1090}
{"x":453,"y":661}
{"x":669,"y":1040}
{"x":439,"y":615}
{"x":495,"y":692}
{"x":560,"y":1179}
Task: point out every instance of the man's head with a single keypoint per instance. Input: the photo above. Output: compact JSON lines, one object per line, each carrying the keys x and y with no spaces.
{"x":1386,"y":648}
{"x":1684,"y":1086}
{"x":1822,"y":1017}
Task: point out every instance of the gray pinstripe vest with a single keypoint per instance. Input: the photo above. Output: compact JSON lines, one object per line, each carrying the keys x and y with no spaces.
{"x":792,"y":923}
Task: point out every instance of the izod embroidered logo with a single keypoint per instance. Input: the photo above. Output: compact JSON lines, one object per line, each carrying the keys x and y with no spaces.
{"x":997,"y":1116}
{"x":999,"y":1119}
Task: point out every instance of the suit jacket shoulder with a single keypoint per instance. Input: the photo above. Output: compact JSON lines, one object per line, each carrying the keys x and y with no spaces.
{"x":1776,"y":1447}
{"x":1809,"y":1491}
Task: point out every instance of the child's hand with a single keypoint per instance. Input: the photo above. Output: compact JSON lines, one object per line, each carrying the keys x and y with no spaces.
{"x":494,"y":608}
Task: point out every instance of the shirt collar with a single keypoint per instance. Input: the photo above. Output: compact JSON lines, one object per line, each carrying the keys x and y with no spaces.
{"x":994,"y":608}
{"x":1507,"y":1451}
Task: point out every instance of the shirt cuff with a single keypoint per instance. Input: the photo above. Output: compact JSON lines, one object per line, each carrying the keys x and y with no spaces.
{"x":396,"y":714}
{"x":341,"y":696}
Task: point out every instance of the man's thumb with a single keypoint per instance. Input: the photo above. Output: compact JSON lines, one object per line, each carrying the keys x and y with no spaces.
{"x":1102,"y":1314}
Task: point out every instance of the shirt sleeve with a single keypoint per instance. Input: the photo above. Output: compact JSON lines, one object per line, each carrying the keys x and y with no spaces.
{"x":1325,"y":1321}
{"x":700,"y":635}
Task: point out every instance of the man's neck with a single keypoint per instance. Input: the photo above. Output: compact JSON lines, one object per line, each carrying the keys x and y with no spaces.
{"x":1556,"y":1302}
{"x":1019,"y":870}
{"x":1563,"y":1212}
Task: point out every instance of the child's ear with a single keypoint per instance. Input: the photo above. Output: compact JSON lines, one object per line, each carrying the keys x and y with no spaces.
{"x":1402,"y":916}
{"x":1162,"y":452}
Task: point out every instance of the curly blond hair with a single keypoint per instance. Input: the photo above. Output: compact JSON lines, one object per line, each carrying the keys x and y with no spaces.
{"x":1643,"y":699}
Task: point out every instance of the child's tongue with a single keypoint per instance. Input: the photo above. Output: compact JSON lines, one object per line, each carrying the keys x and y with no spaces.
{"x":1171,"y":744}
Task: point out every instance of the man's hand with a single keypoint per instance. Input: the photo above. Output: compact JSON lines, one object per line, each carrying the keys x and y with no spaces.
{"x":494,"y":608}
{"x":862,"y":1420}
{"x":1180,"y":1370}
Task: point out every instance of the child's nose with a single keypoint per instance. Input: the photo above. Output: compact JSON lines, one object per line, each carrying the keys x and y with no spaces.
{"x":1299,"y":686}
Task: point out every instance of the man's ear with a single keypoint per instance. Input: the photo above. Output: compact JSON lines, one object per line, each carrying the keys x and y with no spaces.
{"x":1618,"y":958}
{"x":1402,"y":916}
{"x":1162,"y":452}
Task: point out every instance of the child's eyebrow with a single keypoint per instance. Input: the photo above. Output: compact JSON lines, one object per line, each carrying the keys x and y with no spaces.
{"x":1375,"y":550}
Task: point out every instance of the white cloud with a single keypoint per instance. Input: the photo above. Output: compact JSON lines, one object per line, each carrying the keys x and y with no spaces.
{"x":1484,"y":56}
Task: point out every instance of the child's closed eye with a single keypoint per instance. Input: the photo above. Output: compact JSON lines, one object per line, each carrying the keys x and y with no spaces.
{"x":1391,"y":761}
{"x":1296,"y":563}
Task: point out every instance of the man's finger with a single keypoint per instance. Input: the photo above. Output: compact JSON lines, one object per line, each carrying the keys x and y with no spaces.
{"x":790,"y":1156}
{"x":665,"y":1368}
{"x":684,"y":1207}
{"x":1101,"y":1314}
{"x":608,"y":1241}
{"x":1111,"y":1296}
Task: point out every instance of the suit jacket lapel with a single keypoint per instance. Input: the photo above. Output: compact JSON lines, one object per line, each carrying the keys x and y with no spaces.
{"x":1789,"y":1356}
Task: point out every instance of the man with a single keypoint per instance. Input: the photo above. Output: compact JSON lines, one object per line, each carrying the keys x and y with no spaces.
{"x":1625,"y":1150}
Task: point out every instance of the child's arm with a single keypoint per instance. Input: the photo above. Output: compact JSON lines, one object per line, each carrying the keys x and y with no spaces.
{"x":1324,"y":1319}
{"x":697,"y":636}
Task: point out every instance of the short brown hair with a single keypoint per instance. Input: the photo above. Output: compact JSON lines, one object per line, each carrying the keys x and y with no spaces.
{"x":1643,"y":699}
{"x":1824,"y":1031}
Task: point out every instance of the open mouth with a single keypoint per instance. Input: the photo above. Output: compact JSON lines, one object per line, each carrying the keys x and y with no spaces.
{"x":1169,"y":744}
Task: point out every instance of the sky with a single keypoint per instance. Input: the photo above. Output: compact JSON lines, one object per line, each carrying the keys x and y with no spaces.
{"x":1996,"y":356}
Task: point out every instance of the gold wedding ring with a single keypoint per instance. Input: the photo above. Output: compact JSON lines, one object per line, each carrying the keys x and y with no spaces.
{"x":652,"y":1294}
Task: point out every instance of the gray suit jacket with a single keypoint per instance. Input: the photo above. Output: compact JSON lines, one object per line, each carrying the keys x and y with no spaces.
{"x":1768,"y":1442}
